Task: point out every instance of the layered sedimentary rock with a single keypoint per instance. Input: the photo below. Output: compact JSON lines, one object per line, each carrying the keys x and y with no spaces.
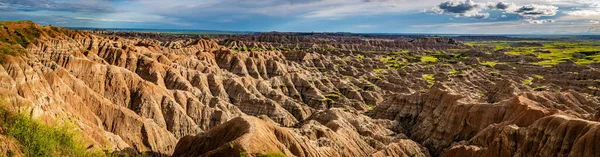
{"x":296,"y":94}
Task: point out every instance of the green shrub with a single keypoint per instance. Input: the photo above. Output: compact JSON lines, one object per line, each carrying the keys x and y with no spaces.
{"x":539,"y":88}
{"x":430,"y":79}
{"x":389,"y":59}
{"x":528,"y":82}
{"x":332,"y":95}
{"x":453,"y":72}
{"x":378,"y":71}
{"x":38,"y":139}
{"x":243,"y":154}
{"x":395,"y":66}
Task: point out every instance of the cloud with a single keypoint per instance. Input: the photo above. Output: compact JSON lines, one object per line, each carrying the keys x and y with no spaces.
{"x":459,"y":7}
{"x":502,"y":6}
{"x":472,"y":9}
{"x":511,"y":27}
{"x":462,"y":8}
{"x":532,"y":21}
{"x":584,"y":12}
{"x":535,"y":11}
{"x":94,"y":6}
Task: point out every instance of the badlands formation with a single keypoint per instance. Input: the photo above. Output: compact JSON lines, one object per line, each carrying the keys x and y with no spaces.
{"x":293,"y":94}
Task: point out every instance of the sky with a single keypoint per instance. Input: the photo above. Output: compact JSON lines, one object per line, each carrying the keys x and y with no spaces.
{"x":359,"y":16}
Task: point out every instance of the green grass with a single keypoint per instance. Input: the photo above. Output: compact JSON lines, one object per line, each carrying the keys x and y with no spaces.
{"x":429,"y":59}
{"x":490,"y":63}
{"x":399,"y":52}
{"x":539,"y":88}
{"x":556,"y":52}
{"x":430,"y":79}
{"x":243,"y":154}
{"x":39,"y":139}
{"x":528,"y":82}
{"x":379,"y":71}
{"x":332,"y":96}
{"x":538,"y":76}
{"x":370,"y":108}
{"x":7,"y":50}
{"x":274,"y":154}
{"x":453,"y":72}
{"x":389,"y":59}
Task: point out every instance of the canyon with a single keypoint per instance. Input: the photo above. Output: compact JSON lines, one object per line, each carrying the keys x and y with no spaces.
{"x":296,"y":94}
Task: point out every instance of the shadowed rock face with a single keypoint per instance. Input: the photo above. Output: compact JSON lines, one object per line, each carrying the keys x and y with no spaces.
{"x":296,"y":94}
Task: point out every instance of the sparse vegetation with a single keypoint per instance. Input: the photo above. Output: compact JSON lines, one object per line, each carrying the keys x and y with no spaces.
{"x":429,"y":59}
{"x":360,"y":57}
{"x":528,"y":82}
{"x":389,"y":59}
{"x":540,"y":88}
{"x":274,"y":154}
{"x":332,"y":96}
{"x":490,"y":63}
{"x":379,"y":71}
{"x":40,"y":139}
{"x":430,"y":79}
{"x":243,"y":154}
{"x":453,"y":72}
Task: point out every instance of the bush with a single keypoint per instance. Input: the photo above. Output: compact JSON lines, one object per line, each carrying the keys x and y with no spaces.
{"x":42,"y":140}
{"x":430,"y":79}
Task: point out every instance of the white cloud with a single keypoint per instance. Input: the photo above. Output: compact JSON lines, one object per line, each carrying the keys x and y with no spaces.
{"x":531,"y":21}
{"x":513,"y":27}
{"x":472,"y":9}
{"x":535,"y":11}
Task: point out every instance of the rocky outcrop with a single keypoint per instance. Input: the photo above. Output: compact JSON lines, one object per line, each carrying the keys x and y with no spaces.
{"x":556,"y":135}
{"x":328,"y":135}
{"x":298,"y":94}
{"x":437,"y":119}
{"x":10,"y":147}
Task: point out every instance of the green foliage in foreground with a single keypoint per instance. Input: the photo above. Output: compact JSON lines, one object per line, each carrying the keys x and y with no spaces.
{"x":42,"y":140}
{"x":276,"y":154}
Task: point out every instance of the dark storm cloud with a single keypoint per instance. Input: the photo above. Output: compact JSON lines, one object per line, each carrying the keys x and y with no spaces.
{"x":502,"y":5}
{"x":461,"y":8}
{"x":50,"y":5}
{"x":471,"y":9}
{"x":458,"y":7}
{"x":535,"y":11}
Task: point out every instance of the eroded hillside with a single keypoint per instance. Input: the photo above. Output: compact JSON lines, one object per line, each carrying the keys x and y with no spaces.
{"x":299,"y":95}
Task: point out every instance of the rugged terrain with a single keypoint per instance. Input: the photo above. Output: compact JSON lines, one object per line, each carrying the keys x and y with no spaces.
{"x":298,"y":94}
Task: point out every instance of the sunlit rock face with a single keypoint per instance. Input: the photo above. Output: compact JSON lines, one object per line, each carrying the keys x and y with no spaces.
{"x":297,"y":95}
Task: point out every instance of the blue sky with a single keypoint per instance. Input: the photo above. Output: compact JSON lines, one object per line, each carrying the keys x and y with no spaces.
{"x":360,"y":16}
